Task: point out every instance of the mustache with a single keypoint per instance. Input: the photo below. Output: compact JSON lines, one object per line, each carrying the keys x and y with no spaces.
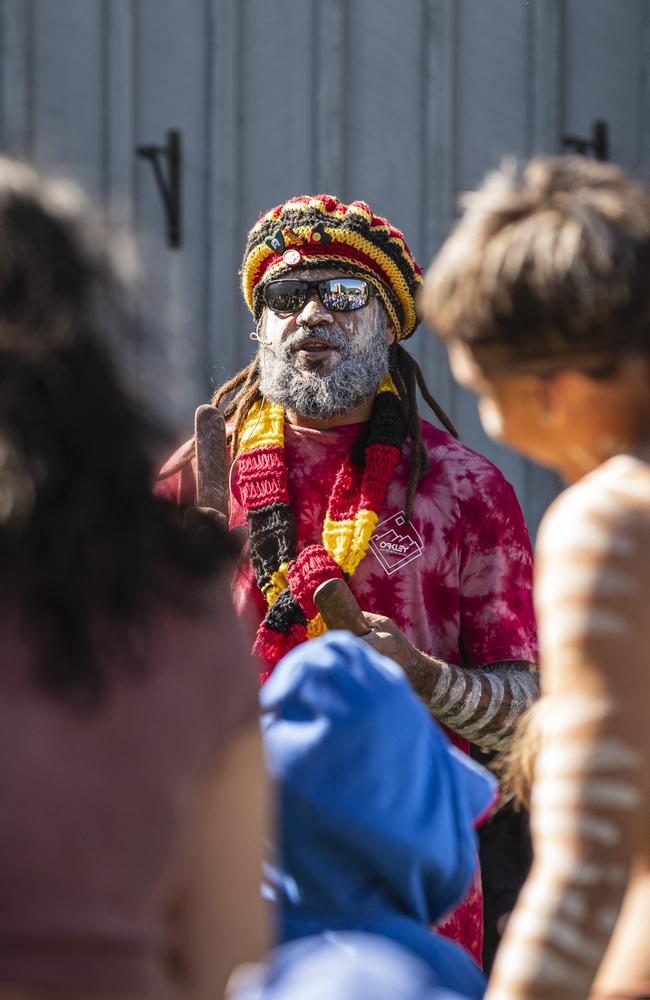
{"x":333,"y":338}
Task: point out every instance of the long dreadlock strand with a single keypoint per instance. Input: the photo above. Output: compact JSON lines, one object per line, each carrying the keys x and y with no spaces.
{"x":410,"y":378}
{"x":244,"y":390}
{"x":233,"y":385}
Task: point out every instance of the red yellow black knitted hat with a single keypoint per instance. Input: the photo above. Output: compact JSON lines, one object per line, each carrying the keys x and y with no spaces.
{"x":320,"y":231}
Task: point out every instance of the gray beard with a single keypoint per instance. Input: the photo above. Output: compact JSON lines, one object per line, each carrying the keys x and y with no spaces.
{"x":307,"y":393}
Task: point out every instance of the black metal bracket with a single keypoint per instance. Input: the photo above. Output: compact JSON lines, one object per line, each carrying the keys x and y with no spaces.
{"x":169,"y":186}
{"x":598,"y":144}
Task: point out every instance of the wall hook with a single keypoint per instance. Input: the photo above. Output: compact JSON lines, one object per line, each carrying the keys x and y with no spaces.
{"x":598,"y":144}
{"x":169,"y":182}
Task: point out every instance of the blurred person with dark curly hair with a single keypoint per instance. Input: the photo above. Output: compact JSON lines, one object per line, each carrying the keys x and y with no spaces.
{"x":131,"y":778}
{"x":543,"y":296}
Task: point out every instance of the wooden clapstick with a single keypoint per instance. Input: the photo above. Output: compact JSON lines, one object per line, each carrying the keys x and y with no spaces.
{"x":338,"y":606}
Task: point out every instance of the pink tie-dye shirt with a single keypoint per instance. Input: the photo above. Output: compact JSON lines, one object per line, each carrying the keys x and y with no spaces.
{"x":456,"y":578}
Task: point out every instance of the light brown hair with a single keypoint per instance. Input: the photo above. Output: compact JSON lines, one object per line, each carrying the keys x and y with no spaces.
{"x":550,"y":261}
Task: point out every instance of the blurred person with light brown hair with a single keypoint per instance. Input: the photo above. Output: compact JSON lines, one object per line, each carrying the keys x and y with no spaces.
{"x":131,"y":779}
{"x":542,"y":293}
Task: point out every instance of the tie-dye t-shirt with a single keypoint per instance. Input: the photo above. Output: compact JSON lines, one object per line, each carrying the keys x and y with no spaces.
{"x":456,"y":578}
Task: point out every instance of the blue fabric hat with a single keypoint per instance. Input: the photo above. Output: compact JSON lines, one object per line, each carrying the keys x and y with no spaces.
{"x":376,"y":808}
{"x":347,"y":966}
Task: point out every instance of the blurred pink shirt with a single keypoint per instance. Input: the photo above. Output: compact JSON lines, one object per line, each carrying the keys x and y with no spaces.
{"x":97,"y":805}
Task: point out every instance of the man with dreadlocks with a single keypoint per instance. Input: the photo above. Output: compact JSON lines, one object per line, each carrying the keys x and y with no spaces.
{"x":335,"y":474}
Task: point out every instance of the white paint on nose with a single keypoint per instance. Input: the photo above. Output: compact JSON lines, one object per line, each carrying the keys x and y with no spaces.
{"x":314,"y":312}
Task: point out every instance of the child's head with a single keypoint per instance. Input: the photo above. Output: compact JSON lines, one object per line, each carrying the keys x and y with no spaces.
{"x":542,"y":294}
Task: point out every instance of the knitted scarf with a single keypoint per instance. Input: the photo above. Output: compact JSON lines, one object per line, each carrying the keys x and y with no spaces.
{"x":286,"y":578}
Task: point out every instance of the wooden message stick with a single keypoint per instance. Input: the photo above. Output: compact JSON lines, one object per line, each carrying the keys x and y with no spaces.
{"x":211,"y":461}
{"x":338,"y":606}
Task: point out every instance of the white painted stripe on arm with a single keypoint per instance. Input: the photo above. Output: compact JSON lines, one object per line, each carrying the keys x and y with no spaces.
{"x":578,"y":578}
{"x":606,"y":755}
{"x":594,"y":828}
{"x":556,"y":791}
{"x":494,"y":707}
{"x":472,"y":702}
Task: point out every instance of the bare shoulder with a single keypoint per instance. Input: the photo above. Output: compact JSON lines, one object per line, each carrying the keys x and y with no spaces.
{"x":606,"y":515}
{"x":592,"y":581}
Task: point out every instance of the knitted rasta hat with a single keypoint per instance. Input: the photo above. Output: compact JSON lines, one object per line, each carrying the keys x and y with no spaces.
{"x":322,"y":232}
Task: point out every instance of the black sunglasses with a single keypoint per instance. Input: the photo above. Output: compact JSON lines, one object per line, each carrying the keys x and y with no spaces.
{"x":290,"y":295}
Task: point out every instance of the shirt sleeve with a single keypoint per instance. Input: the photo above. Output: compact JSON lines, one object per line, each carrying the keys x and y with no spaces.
{"x":496,"y":602}
{"x":176,"y":481}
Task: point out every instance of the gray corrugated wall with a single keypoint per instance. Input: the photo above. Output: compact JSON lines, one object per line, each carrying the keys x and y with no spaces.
{"x":401,"y":102}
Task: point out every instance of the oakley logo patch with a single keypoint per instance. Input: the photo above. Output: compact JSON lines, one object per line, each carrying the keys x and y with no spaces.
{"x":396,"y":543}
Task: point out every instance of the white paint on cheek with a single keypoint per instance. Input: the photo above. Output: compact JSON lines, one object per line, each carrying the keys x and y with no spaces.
{"x":491,"y":417}
{"x":582,"y":457}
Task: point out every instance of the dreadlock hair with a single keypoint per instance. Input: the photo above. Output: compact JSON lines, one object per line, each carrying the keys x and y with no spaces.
{"x":243,"y":390}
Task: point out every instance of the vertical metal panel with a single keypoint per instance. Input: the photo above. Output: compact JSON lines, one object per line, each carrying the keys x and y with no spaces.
{"x":170,"y":84}
{"x":492,"y":81}
{"x":331,"y":87}
{"x":227,"y":347}
{"x":643,"y":123}
{"x":546,"y":112}
{"x":438,"y":151}
{"x":16,"y":59}
{"x":384,"y":98}
{"x":118,"y":140}
{"x":67,"y":88}
{"x":602,"y":49}
{"x":271,"y":77}
{"x":547,"y":52}
{"x":277,"y":125}
{"x":401,"y":136}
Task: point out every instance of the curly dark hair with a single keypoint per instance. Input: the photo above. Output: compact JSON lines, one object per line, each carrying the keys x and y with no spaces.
{"x":83,"y":541}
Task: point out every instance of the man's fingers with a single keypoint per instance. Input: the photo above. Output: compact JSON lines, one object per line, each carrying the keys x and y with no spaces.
{"x":373,"y":640}
{"x":383,"y":642}
{"x":375,"y":620}
{"x":239,"y":535}
{"x":197,"y":517}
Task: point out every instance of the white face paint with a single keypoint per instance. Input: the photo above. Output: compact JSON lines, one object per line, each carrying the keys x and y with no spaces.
{"x":491,"y":418}
{"x":319,"y":363}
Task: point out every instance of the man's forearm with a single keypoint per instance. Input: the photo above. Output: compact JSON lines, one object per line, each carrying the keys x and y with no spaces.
{"x":482,"y":704}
